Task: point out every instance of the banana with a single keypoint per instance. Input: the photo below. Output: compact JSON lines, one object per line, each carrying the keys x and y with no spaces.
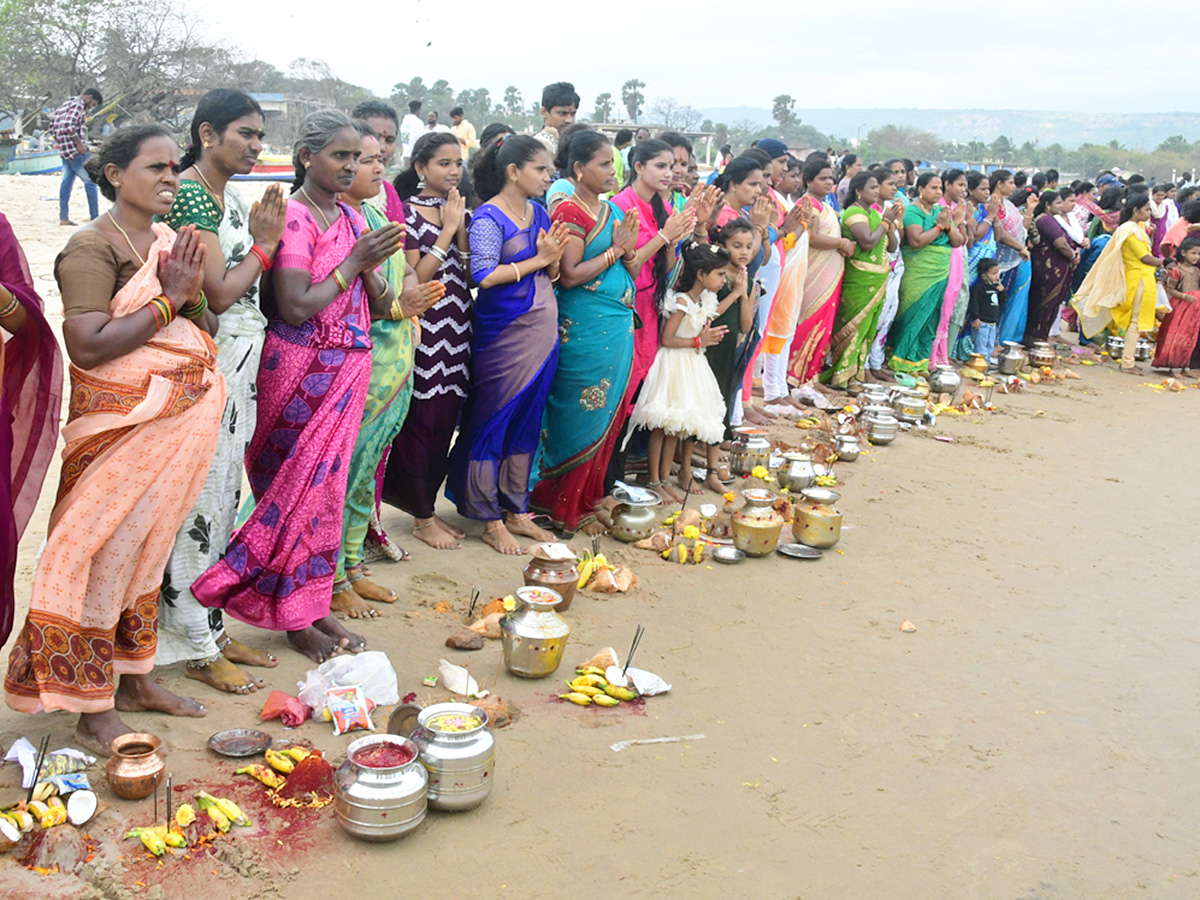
{"x":44,"y":790}
{"x":38,"y":809}
{"x":185,"y":815}
{"x":279,"y":762}
{"x":576,"y":698}
{"x":228,"y":808}
{"x":586,"y":689}
{"x":605,"y":700}
{"x":620,"y":693}
{"x":299,"y":754}
{"x":219,"y":819}
{"x":150,"y":840}
{"x":263,"y":774}
{"x":589,"y":670}
{"x":697,"y":553}
{"x":21,"y":819}
{"x":590,"y":680}
{"x":600,"y":560}
{"x":174,"y":839}
{"x":586,"y":567}
{"x":682,"y":554}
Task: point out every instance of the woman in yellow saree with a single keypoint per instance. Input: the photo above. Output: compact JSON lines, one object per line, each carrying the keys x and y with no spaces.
{"x":1120,"y":290}
{"x":145,"y":407}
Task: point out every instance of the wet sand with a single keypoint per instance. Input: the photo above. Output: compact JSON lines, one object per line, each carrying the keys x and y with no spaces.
{"x":1029,"y":740}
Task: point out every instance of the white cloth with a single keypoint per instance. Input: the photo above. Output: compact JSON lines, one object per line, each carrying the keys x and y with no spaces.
{"x":891,"y":303}
{"x":411,"y":128}
{"x":680,"y":394}
{"x":187,"y":630}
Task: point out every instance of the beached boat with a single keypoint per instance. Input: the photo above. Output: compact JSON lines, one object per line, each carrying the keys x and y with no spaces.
{"x":270,"y":167}
{"x":44,"y":162}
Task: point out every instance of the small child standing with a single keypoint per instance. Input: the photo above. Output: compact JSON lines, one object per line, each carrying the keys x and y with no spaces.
{"x":1180,"y":330}
{"x":680,"y":397}
{"x":983,"y":310}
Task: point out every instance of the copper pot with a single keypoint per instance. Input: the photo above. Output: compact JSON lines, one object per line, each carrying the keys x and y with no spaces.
{"x":135,"y":766}
{"x":558,"y":574}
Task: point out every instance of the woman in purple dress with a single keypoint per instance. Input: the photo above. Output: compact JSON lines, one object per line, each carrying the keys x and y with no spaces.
{"x":514,"y":346}
{"x":1054,"y":258}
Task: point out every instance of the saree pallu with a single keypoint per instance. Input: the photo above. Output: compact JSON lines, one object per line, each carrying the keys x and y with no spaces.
{"x":1050,"y":284}
{"x":822,"y":289}
{"x":959,"y":337}
{"x":386,"y":405}
{"x":1178,"y":333}
{"x":29,"y":410}
{"x":891,"y":303}
{"x":922,"y":295}
{"x":953,"y":301}
{"x":277,"y":572}
{"x":1089,"y":259}
{"x":1105,"y":299}
{"x":1014,"y":310}
{"x":585,"y":409}
{"x":645,"y":339}
{"x":139,"y":440}
{"x":514,"y":355}
{"x":864,"y":288}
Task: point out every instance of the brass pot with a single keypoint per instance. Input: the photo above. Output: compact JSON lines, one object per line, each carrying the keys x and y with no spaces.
{"x":558,"y":574}
{"x":135,"y":766}
{"x":757,"y":526}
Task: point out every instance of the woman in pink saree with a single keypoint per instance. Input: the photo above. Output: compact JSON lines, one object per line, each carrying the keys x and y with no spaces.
{"x":954,"y":198}
{"x":278,"y":571}
{"x":811,"y":311}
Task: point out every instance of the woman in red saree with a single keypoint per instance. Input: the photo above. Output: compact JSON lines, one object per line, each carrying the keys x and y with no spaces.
{"x":145,"y":409}
{"x":29,"y":408}
{"x":1178,"y":333}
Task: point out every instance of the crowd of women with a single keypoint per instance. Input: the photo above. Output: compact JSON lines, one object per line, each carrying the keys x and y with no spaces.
{"x":509,"y":332}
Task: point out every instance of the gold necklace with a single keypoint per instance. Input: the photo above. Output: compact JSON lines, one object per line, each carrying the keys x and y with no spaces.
{"x":117,"y":225}
{"x":520,"y":219}
{"x":320,"y":212}
{"x":220,"y":203}
{"x":586,"y":208}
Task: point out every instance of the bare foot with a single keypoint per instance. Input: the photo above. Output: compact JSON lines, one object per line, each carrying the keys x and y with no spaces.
{"x":141,"y":693}
{"x":593,"y":528}
{"x":355,"y":643}
{"x":671,"y":493}
{"x":313,"y":644}
{"x":237,"y":652}
{"x":448,"y":528}
{"x":524,"y":525}
{"x":499,"y":539}
{"x":823,"y":388}
{"x":608,"y":502}
{"x":1133,"y":370}
{"x":351,"y":604}
{"x":885,"y":375}
{"x":1186,"y":373}
{"x":714,"y":484}
{"x":97,"y":731}
{"x":432,"y":533}
{"x":790,"y":401}
{"x":369,"y":590}
{"x":224,"y":676}
{"x":688,"y":483}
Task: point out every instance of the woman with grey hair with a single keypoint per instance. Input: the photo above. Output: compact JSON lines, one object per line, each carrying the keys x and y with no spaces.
{"x":323,"y":290}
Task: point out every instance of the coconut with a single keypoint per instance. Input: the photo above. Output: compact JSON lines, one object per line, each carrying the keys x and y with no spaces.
{"x":81,"y":806}
{"x":602,"y":660}
{"x":9,"y":834}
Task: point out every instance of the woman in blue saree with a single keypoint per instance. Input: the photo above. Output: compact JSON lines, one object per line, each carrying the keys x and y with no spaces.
{"x":1016,"y":269}
{"x":514,"y":260}
{"x":585,"y":412}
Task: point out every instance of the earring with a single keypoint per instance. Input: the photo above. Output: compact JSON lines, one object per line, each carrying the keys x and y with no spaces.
{"x":205,"y":145}
{"x":420,"y":182}
{"x":307,"y":164}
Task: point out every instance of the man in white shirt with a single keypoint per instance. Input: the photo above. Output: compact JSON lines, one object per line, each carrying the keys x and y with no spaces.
{"x":432,"y":125}
{"x":411,"y":128}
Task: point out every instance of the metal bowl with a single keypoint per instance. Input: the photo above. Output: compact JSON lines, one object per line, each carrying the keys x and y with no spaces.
{"x":728,"y":555}
{"x":239,"y":742}
{"x":821,"y":495}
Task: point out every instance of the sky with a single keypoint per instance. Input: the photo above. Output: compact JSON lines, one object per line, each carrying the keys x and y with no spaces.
{"x":1077,"y":55}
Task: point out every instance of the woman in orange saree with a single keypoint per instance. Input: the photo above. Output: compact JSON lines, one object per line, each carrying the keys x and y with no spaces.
{"x":145,"y":407}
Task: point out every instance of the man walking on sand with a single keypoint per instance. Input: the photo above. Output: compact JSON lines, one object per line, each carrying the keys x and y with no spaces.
{"x":69,"y":127}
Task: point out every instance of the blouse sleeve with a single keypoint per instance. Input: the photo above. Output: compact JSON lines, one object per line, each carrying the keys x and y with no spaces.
{"x":87,"y":271}
{"x":914,"y":216}
{"x":487,"y":240}
{"x":569,"y":213}
{"x":299,"y":238}
{"x":194,"y":206}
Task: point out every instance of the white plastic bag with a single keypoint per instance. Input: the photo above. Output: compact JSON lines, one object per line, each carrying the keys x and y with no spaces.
{"x":372,"y":670}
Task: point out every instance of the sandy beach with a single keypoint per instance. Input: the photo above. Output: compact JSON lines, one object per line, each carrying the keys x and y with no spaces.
{"x":1029,"y":740}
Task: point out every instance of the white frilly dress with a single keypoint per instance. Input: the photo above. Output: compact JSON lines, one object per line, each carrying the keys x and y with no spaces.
{"x":680,"y":394}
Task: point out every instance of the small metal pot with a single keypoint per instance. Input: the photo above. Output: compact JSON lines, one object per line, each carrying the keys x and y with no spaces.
{"x":1042,"y":354}
{"x":1144,"y":350}
{"x":380,"y":804}
{"x":797,"y":472}
{"x":748,"y":450}
{"x":560,"y":575}
{"x":910,"y":409}
{"x":873,"y":394}
{"x":461,"y":764}
{"x":135,"y":766}
{"x":945,"y":380}
{"x":882,"y":430}
{"x":1115,"y":345}
{"x":1011,"y":359}
{"x":847,"y":447}
{"x":633,"y":522}
{"x":816,"y":525}
{"x":533,"y":637}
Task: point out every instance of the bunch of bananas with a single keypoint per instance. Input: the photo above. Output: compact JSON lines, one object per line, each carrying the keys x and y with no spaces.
{"x":826,"y":480}
{"x":263,"y":774}
{"x":48,"y":813}
{"x":589,"y":566}
{"x":284,"y":760}
{"x":222,"y":812}
{"x":682,"y":553}
{"x":21,"y":818}
{"x":158,"y":838}
{"x":590,"y":686}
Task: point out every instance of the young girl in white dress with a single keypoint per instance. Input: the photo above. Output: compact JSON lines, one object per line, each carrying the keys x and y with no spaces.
{"x":680,"y":397}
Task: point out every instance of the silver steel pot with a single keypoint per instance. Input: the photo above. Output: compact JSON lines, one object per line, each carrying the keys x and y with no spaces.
{"x":632,"y":522}
{"x":1011,"y":359}
{"x":797,"y":472}
{"x":380,"y":804}
{"x":1115,"y":346}
{"x":1042,"y":354}
{"x":534,"y":636}
{"x":1144,"y":350}
{"x":882,"y":430}
{"x":847,"y":447}
{"x":461,"y":764}
{"x":749,"y":449}
{"x":945,"y":380}
{"x":910,"y":409}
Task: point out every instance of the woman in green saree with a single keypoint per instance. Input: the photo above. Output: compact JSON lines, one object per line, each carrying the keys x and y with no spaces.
{"x":393,"y":342}
{"x":929,"y":237}
{"x":865,"y":284}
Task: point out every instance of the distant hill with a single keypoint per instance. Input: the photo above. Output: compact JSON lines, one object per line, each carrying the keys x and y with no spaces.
{"x":1135,"y":131}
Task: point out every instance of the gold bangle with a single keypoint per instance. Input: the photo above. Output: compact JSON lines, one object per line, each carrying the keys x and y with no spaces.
{"x":11,"y":308}
{"x":341,"y":281}
{"x":397,"y":312}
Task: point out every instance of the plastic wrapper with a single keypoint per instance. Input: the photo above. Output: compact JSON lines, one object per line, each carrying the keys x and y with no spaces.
{"x":348,"y":707}
{"x":371,"y":670}
{"x":290,"y":710}
{"x":58,"y":762}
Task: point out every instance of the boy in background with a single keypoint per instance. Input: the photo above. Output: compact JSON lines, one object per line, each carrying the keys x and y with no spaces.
{"x":983,"y":309}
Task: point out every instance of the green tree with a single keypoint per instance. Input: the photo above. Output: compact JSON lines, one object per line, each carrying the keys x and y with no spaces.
{"x":512,"y":100}
{"x":632,"y":98}
{"x":1174,"y":144}
{"x":604,"y":107}
{"x":913,"y":143}
{"x":782,"y":112}
{"x":1002,"y":148}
